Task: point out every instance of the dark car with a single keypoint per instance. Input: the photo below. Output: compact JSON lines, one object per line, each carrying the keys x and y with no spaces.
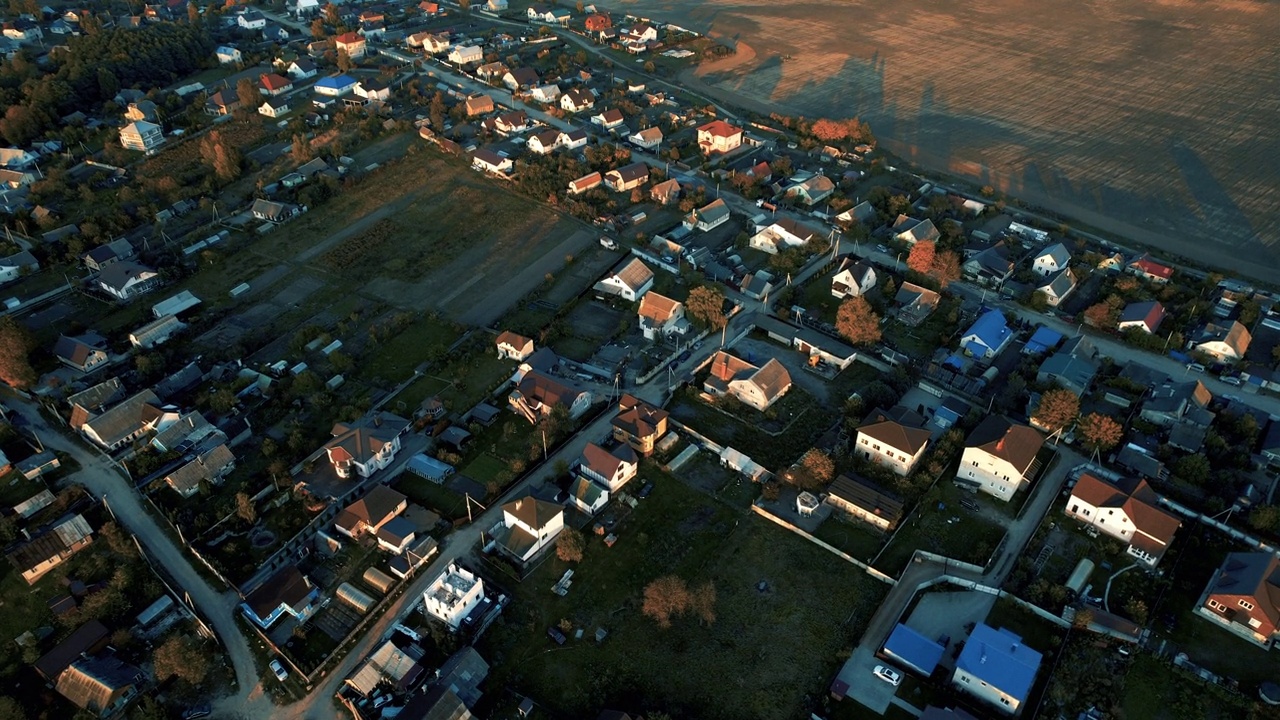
{"x":644,"y":491}
{"x":557,"y":636}
{"x":685,"y":355}
{"x":199,"y":711}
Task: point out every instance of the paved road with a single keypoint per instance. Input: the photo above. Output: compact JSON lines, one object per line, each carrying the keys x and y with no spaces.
{"x":104,"y":480}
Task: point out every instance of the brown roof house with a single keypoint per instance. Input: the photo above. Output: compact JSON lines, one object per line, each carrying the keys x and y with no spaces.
{"x":85,"y":353}
{"x":87,"y":404}
{"x":87,"y":639}
{"x":538,"y":394}
{"x":288,"y":592}
{"x":1226,"y":343}
{"x":101,"y":685}
{"x":585,"y":183}
{"x":51,"y":548}
{"x":130,"y":420}
{"x":1243,"y":597}
{"x":895,"y":438}
{"x":661,"y":317}
{"x":1128,"y":510}
{"x":915,"y":304}
{"x":999,"y":457}
{"x":513,"y":346}
{"x":207,"y":467}
{"x":627,"y":177}
{"x":865,"y":501}
{"x":479,"y":104}
{"x":610,"y":468}
{"x":665,"y":192}
{"x":759,"y":387}
{"x":630,"y":280}
{"x":639,"y":424}
{"x":367,"y":445}
{"x":368,"y":514}
{"x":528,"y":525}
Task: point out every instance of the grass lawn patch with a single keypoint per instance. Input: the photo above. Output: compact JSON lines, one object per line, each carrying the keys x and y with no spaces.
{"x":396,"y":359}
{"x":486,"y":469}
{"x":1038,"y":634}
{"x":817,"y":299}
{"x":857,"y":539}
{"x":781,"y":644}
{"x":424,"y":387}
{"x":575,"y":348}
{"x":445,"y":502}
{"x":14,"y":488}
{"x":1159,"y":691}
{"x":774,"y":452}
{"x":949,"y":530}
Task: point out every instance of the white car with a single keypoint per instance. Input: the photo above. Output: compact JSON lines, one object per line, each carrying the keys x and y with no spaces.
{"x":278,"y":670}
{"x":887,"y":674}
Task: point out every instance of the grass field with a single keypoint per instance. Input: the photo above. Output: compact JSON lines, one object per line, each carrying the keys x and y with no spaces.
{"x":772,"y":650}
{"x":951,"y":531}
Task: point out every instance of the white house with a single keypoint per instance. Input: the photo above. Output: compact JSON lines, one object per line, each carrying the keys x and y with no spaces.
{"x":1051,"y":260}
{"x":627,"y":177}
{"x":587,"y":496}
{"x":528,"y":525}
{"x":1057,"y":288}
{"x":543,"y":143}
{"x":1227,"y":343}
{"x":895,"y":439}
{"x":660,"y":316}
{"x":514,"y":347}
{"x":453,"y":595}
{"x":353,"y":44}
{"x":1128,"y":510}
{"x":463,"y":54}
{"x":125,"y":280}
{"x":852,"y":279}
{"x":16,"y":265}
{"x":649,"y":138}
{"x":572,"y":139}
{"x":630,"y":280}
{"x":999,"y":457}
{"x":719,"y":136}
{"x":301,"y":69}
{"x":142,"y":136}
{"x":274,"y":107}
{"x":548,"y":94}
{"x":758,"y":387}
{"x":491,"y":162}
{"x":709,"y":216}
{"x":997,"y":667}
{"x":335,"y":85}
{"x":228,"y":55}
{"x":577,"y":100}
{"x":609,"y":119}
{"x":610,"y":468}
{"x":251,"y":20}
{"x":366,"y":445}
{"x":783,"y":234}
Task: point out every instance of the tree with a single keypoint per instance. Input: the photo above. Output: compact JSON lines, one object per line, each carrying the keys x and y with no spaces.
{"x":1193,"y":469}
{"x":921,"y":256}
{"x":1137,"y":610}
{"x":301,"y":148}
{"x":245,"y":508}
{"x":569,"y":545}
{"x":247,"y":93}
{"x":344,"y":61}
{"x":1099,"y":432}
{"x":464,"y":5}
{"x":857,"y":322}
{"x":16,"y":343}
{"x":193,"y":13}
{"x":181,"y":656}
{"x":665,"y":598}
{"x":1058,"y":408}
{"x":703,"y":603}
{"x":1104,"y":314}
{"x":815,"y":470}
{"x":10,"y":709}
{"x":317,"y":29}
{"x":1265,"y":518}
{"x":946,"y":267}
{"x":706,"y":306}
{"x":890,"y":288}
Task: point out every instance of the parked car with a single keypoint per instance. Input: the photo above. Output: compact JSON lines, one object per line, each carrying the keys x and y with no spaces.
{"x":1231,"y":380}
{"x":889,"y":675}
{"x":278,"y":670}
{"x":685,"y":355}
{"x":199,"y":711}
{"x":555,"y":635}
{"x":644,"y":491}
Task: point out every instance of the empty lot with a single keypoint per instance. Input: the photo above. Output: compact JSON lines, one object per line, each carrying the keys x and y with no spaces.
{"x":1155,"y":120}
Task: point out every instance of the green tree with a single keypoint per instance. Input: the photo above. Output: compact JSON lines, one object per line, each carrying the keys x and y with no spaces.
{"x":10,"y":709}
{"x":1193,"y":468}
{"x":181,"y":656}
{"x":1265,"y":518}
{"x":857,"y":322}
{"x":705,"y":306}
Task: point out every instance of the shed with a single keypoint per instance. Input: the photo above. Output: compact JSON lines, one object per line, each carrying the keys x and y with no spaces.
{"x":155,"y":611}
{"x":378,"y":580}
{"x":913,"y":650}
{"x":456,"y":436}
{"x":425,"y":466}
{"x":1042,"y":340}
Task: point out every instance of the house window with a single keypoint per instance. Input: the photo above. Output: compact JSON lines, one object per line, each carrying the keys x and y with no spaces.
{"x":975,"y":463}
{"x":1004,"y":700}
{"x":1246,"y":605}
{"x":1215,"y":605}
{"x":875,"y":447}
{"x":1075,"y":509}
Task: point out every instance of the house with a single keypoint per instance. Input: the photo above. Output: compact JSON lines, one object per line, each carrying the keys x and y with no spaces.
{"x":434,"y":44}
{"x":585,"y":183}
{"x":577,"y":99}
{"x":660,"y":317}
{"x":630,"y":280}
{"x":913,"y":651}
{"x":388,"y":666}
{"x":639,"y":37}
{"x":17,"y":265}
{"x":757,"y":285}
{"x":990,"y":266}
{"x":999,"y":457}
{"x":23,"y":31}
{"x":912,"y":230}
{"x":544,"y":142}
{"x":997,"y":667}
{"x":428,"y":7}
{"x":353,"y":44}
{"x":1150,"y":270}
{"x":141,"y":110}
{"x":719,"y":136}
{"x":14,"y":179}
{"x":988,"y":335}
{"x":228,"y":55}
{"x":366,"y":445}
{"x":85,"y":353}
{"x":223,"y":102}
{"x":251,"y":20}
{"x":639,"y":424}
{"x":127,"y":280}
{"x":286,"y":592}
{"x":611,"y":468}
{"x":915,"y":303}
{"x":464,"y":54}
{"x":100,"y":686}
{"x":572,"y":139}
{"x":588,"y":496}
{"x":1144,"y":316}
{"x":528,"y":525}
{"x":273,"y":212}
{"x":608,"y":119}
{"x":665,"y":192}
{"x":373,"y":89}
{"x":496,"y":6}
{"x":37,"y":465}
{"x":85,"y":641}
{"x":546,"y":94}
{"x":512,"y":122}
{"x":142,"y":136}
{"x":782,"y":234}
{"x":491,"y":71}
{"x":649,"y":138}
{"x":1113,"y":262}
{"x":302,"y":69}
{"x":453,"y":595}
{"x":537,"y":11}
{"x":335,"y":85}
{"x":1051,"y":260}
{"x":103,"y":255}
{"x":811,"y":191}
{"x":156,"y":332}
{"x":598,"y":21}
{"x":852,"y":278}
{"x":479,"y":104}
{"x":52,"y":547}
{"x":1170,"y":402}
{"x":86,"y":404}
{"x":1126,"y":509}
{"x":865,"y":501}
{"x":1057,"y":288}
{"x":758,"y":387}
{"x":538,"y":394}
{"x":1069,"y":370}
{"x":896,"y":439}
{"x":709,"y":216}
{"x":514,"y":347}
{"x":521,"y":78}
{"x":559,"y":16}
{"x":1243,"y":597}
{"x":207,"y":467}
{"x":491,"y":162}
{"x":271,"y":84}
{"x":274,"y":107}
{"x":367,"y":515}
{"x":1225,"y":343}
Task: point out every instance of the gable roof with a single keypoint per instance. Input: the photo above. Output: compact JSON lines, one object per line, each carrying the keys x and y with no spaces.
{"x":991,"y":329}
{"x":117,"y":275}
{"x":638,"y":417}
{"x":634,"y":274}
{"x":867,"y":496}
{"x":631,"y":173}
{"x":288,"y":586}
{"x":1060,"y":284}
{"x":895,"y":434}
{"x":87,"y":638}
{"x":1001,"y":659}
{"x":349,"y":38}
{"x":100,"y":395}
{"x":372,"y":509}
{"x":606,"y":462}
{"x":1138,"y":501}
{"x":205,"y":467}
{"x":1013,"y":443}
{"x":532,"y":512}
{"x":712,"y":212}
{"x":92,"y":683}
{"x":514,"y":340}
{"x":541,"y":389}
{"x":1056,"y":252}
{"x":273,"y":82}
{"x":77,"y":350}
{"x":658,"y":308}
{"x":772,"y":379}
{"x":124,"y":419}
{"x":719,"y":128}
{"x":1148,"y":266}
{"x":524,"y":75}
{"x":1253,"y":574}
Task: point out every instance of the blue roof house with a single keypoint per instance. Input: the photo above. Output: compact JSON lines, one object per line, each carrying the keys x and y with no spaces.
{"x":997,"y":668}
{"x":335,"y":85}
{"x":987,"y":336}
{"x":912,"y":650}
{"x":1042,"y":340}
{"x":950,"y":412}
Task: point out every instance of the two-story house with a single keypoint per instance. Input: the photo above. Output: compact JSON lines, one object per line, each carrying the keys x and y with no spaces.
{"x":1243,"y":597}
{"x":999,"y":457}
{"x":367,"y":515}
{"x":630,"y":280}
{"x":895,"y":438}
{"x":287,"y":592}
{"x":1128,"y":510}
{"x":719,"y":136}
{"x":1144,"y":316}
{"x":528,"y":525}
{"x":852,"y":278}
{"x":127,"y":280}
{"x":538,"y":394}
{"x":627,"y":177}
{"x":758,"y":387}
{"x":997,"y":667}
{"x":639,"y":424}
{"x":85,"y":353}
{"x":577,"y":99}
{"x":611,"y":468}
{"x":353,"y":44}
{"x":145,"y":137}
{"x":661,"y":317}
{"x":366,"y":445}
{"x":453,"y":595}
{"x":513,"y":346}
{"x":1051,"y":260}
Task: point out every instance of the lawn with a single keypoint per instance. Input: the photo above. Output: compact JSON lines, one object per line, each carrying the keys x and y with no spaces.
{"x":396,"y":359}
{"x":777,"y":647}
{"x":433,"y":496}
{"x":857,"y":539}
{"x":486,"y":469}
{"x":774,"y":452}
{"x":949,"y":530}
{"x":1159,"y":691}
{"x":816,"y":298}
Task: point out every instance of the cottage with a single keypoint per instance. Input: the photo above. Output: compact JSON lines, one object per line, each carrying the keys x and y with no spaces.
{"x":758,"y":387}
{"x":630,"y":280}
{"x":104,"y":255}
{"x":648,"y":139}
{"x":512,"y":122}
{"x":915,"y":303}
{"x":514,"y":347}
{"x":1243,"y":597}
{"x":353,"y":44}
{"x":608,"y":119}
{"x":51,"y":547}
{"x":479,"y":104}
{"x":156,"y":332}
{"x":537,"y":395}
{"x":273,"y":212}
{"x":521,"y":78}
{"x":287,"y":592}
{"x":274,"y":107}
{"x":373,"y":89}
{"x":1069,"y":370}
{"x":302,"y":69}
{"x":491,"y":162}
{"x":1051,"y":260}
{"x":572,"y":139}
{"x":528,"y":526}
{"x":639,"y":424}
{"x":223,"y":102}
{"x":1150,"y":270}
{"x":895,"y":438}
{"x":143,"y":136}
{"x":585,"y":183}
{"x":782,"y":234}
{"x":87,"y":404}
{"x":1058,"y":287}
{"x":370,"y":513}
{"x":544,"y":142}
{"x":335,"y":85}
{"x":100,"y":686}
{"x":577,"y":99}
{"x":598,"y":21}
{"x":1225,"y":343}
{"x":661,"y":317}
{"x":1143,"y":316}
{"x":271,"y":84}
{"x":709,"y":216}
{"x":588,"y":496}
{"x":665,"y":192}
{"x":1170,"y":402}
{"x":990,"y":266}
{"x":913,"y":230}
{"x":1126,"y":509}
{"x":85,"y":353}
{"x":999,"y":457}
{"x":207,"y":467}
{"x":228,"y":55}
{"x":865,"y":501}
{"x":127,"y":280}
{"x":610,"y":468}
{"x":852,"y":278}
{"x":988,"y":335}
{"x":997,"y":667}
{"x":546,"y":94}
{"x":366,"y":445}
{"x":812,"y":191}
{"x":251,"y":20}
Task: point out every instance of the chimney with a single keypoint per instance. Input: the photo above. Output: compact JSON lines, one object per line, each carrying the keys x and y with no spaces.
{"x":377,"y":419}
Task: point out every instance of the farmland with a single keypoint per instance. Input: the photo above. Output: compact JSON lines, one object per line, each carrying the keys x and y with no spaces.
{"x":1150,"y":120}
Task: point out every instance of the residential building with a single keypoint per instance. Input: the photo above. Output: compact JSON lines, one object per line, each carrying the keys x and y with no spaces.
{"x":913,"y":230}
{"x":141,"y":110}
{"x":758,"y":387}
{"x":273,"y":212}
{"x":1051,"y":260}
{"x":709,"y":216}
{"x":1225,"y":343}
{"x":909,"y":649}
{"x":782,"y":234}
{"x":1150,"y":270}
{"x":852,"y":278}
{"x":589,"y":497}
{"x":999,"y":457}
{"x":128,"y":421}
{"x":1170,"y":402}
{"x":997,"y":667}
{"x":335,"y":85}
{"x":1144,"y":316}
{"x":521,"y":78}
{"x":223,"y":102}
{"x":639,"y":424}
{"x":302,"y":69}
{"x":609,"y":119}
{"x":479,"y":104}
{"x":370,"y":513}
{"x":585,"y":183}
{"x":126,"y":280}
{"x":988,"y":335}
{"x":538,"y":394}
{"x":86,"y":404}
{"x":142,"y":136}
{"x":207,"y":467}
{"x":572,"y":139}
{"x":228,"y":55}
{"x":390,"y":666}
{"x":528,"y":526}
{"x":661,"y":317}
{"x":453,"y":595}
{"x":185,"y":432}
{"x":544,"y":142}
{"x":630,"y":280}
{"x":1243,"y":597}
{"x":286,"y":592}
{"x":719,"y":136}
{"x":811,"y":191}
{"x":513,"y":346}
{"x":353,"y":44}
{"x":465,"y":54}
{"x":895,"y":438}
{"x":1057,"y":288}
{"x":373,"y":89}
{"x":51,"y":547}
{"x":100,"y":686}
{"x":271,"y":84}
{"x":665,"y":192}
{"x":104,"y":255}
{"x":17,"y":265}
{"x":865,"y":501}
{"x":511,"y":123}
{"x":367,"y":445}
{"x":611,"y":468}
{"x":598,"y":21}
{"x":274,"y":107}
{"x":1072,"y":371}
{"x":915,"y":303}
{"x":251,"y":20}
{"x":649,"y":138}
{"x":491,"y":162}
{"x":1126,"y":509}
{"x":577,"y":99}
{"x":627,"y":177}
{"x":546,"y":94}
{"x":85,"y":353}
{"x":991,"y":266}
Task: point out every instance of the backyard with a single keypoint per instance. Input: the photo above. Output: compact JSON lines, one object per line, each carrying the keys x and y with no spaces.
{"x":939,"y":524}
{"x":783,"y":612}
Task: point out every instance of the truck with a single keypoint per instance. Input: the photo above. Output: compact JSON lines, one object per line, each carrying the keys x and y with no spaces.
{"x":608,"y":242}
